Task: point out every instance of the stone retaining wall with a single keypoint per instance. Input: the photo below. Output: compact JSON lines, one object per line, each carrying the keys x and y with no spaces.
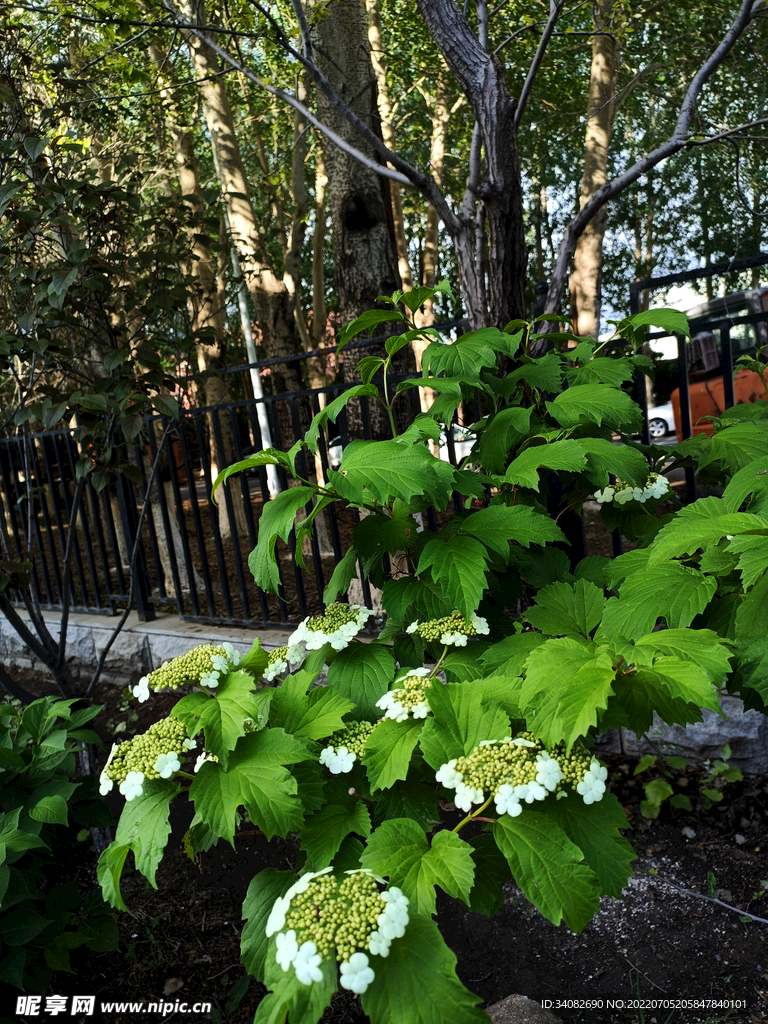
{"x":139,"y":648}
{"x":142,"y":647}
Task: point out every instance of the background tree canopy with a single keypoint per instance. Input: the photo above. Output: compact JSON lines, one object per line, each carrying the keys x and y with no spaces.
{"x":160,"y":157}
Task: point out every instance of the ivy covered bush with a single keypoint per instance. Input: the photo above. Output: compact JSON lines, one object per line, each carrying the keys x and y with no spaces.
{"x":455,"y":751}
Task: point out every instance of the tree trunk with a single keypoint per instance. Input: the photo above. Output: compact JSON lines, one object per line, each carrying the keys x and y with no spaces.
{"x":271,"y":299}
{"x":291,"y":235}
{"x":359,"y":199}
{"x":207,"y":297}
{"x":319,"y":309}
{"x":425,"y":317}
{"x":489,"y":234}
{"x":378,"y":61}
{"x":585,"y":284}
{"x":441,"y":116}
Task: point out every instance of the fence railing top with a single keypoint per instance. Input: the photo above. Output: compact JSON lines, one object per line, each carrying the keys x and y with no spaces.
{"x":445,"y":325}
{"x":690,"y":275}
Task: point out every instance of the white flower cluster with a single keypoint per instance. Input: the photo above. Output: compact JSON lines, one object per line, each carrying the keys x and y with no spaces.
{"x":340,"y":624}
{"x":592,"y":786}
{"x":518,"y":770}
{"x":345,"y":747}
{"x":284,"y":659}
{"x":409,"y":696}
{"x":155,"y":754}
{"x":391,"y":922}
{"x":202,"y":758}
{"x":338,"y":760}
{"x":220,"y":666}
{"x":203,"y":665}
{"x":326,"y":920}
{"x":452,"y":630}
{"x":621,"y":492}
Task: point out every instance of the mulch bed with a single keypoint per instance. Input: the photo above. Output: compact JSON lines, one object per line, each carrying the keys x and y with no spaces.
{"x":656,"y":942}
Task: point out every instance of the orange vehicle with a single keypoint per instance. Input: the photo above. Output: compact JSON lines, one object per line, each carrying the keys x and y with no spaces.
{"x":705,"y":378}
{"x":708,"y":399}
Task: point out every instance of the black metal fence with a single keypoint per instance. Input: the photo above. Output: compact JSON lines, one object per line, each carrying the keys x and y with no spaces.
{"x":164,"y":538}
{"x":177,"y":550}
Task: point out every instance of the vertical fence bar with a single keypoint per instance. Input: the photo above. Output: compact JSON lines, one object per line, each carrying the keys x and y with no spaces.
{"x":56,"y":509}
{"x":141,"y":592}
{"x":43,"y":534}
{"x":70,"y":461}
{"x":685,"y":412}
{"x":155,"y":541}
{"x":726,"y":365}
{"x":166,"y":515}
{"x":225,"y":494}
{"x":112,"y":553}
{"x":101,"y":548}
{"x":190,"y":474}
{"x":213,"y":523}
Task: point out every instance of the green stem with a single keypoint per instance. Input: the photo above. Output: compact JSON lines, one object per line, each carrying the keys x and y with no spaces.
{"x":603,"y":344}
{"x":442,"y":658}
{"x":472,"y":815}
{"x":186,"y":775}
{"x":387,"y":403}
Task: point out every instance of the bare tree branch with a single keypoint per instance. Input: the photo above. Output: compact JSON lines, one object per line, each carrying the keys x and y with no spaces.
{"x":15,"y":689}
{"x":678,"y":140}
{"x":65,"y":584}
{"x":306,"y":38}
{"x":555,"y":8}
{"x":707,"y":139}
{"x":403,"y":173}
{"x":514,"y":35}
{"x":26,"y":635}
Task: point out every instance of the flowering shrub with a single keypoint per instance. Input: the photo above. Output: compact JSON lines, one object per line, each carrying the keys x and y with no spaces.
{"x":456,"y":749}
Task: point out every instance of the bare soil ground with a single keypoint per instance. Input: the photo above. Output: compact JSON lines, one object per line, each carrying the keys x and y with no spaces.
{"x":655,"y":943}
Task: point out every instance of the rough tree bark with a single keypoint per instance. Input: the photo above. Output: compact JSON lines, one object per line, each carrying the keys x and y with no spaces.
{"x":271,"y":299}
{"x":207,"y":296}
{"x":586,"y":275}
{"x":492,"y":274}
{"x":379,"y":64}
{"x":358,"y":198}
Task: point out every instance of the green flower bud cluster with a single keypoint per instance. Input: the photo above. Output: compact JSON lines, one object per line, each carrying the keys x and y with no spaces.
{"x":491,"y":765}
{"x":312,"y":914}
{"x":333,"y":915}
{"x":359,"y":904}
{"x":435,"y":629}
{"x":187,"y":668}
{"x":354,"y":737}
{"x":140,"y":753}
{"x":336,"y":616}
{"x":574,"y":766}
{"x":412,"y":692}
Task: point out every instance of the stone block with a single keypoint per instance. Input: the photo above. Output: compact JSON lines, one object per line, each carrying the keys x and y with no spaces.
{"x":520,"y":1010}
{"x":746,"y":732}
{"x":129,"y":657}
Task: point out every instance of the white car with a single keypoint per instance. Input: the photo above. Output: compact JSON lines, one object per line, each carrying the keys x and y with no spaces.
{"x":661,"y":420}
{"x":463,"y":439}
